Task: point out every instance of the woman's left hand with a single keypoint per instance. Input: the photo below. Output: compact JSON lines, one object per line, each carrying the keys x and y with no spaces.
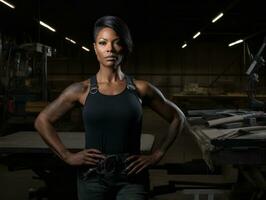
{"x":140,"y":162}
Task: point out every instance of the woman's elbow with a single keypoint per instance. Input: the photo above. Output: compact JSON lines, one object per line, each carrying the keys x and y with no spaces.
{"x":40,"y":121}
{"x":180,"y":120}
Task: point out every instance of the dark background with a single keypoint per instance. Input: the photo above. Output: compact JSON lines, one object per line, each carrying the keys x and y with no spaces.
{"x":159,"y":29}
{"x":207,"y":66}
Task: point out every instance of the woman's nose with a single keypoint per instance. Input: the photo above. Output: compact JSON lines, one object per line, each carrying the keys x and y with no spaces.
{"x":110,"y":47}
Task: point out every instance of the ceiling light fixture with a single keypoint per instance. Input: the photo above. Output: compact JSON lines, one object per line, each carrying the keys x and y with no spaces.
{"x":85,"y":48}
{"x":47,"y":26}
{"x":184,"y":45}
{"x":217,"y":17}
{"x":8,"y":4}
{"x":70,"y":40}
{"x":236,"y":42}
{"x":196,"y":35}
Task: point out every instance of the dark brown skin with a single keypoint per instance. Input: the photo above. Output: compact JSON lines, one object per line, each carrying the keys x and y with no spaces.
{"x":109,"y":52}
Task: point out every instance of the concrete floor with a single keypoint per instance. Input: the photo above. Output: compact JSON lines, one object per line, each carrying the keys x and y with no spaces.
{"x":16,"y":185}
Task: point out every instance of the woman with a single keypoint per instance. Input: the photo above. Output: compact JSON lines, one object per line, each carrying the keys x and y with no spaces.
{"x":111,"y":163}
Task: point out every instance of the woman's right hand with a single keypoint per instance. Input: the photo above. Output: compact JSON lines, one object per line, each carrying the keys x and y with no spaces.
{"x":84,"y":157}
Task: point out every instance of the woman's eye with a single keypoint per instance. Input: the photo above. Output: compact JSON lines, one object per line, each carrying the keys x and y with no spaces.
{"x":119,"y":43}
{"x":102,"y":43}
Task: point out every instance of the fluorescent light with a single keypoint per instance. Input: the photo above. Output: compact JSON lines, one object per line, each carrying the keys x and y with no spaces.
{"x":184,"y":45}
{"x":217,"y":17}
{"x":196,"y":35}
{"x":8,"y":4}
{"x":70,"y":40}
{"x":47,"y":26}
{"x":236,"y":42}
{"x":85,"y":48}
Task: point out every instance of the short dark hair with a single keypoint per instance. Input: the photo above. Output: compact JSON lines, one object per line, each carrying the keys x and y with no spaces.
{"x":119,"y":26}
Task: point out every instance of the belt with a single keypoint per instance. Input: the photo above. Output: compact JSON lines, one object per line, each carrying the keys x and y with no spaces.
{"x":112,"y":165}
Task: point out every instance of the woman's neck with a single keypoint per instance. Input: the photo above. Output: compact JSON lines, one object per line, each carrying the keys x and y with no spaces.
{"x":109,"y":75}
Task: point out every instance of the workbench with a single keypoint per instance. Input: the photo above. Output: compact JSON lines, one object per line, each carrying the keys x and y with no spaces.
{"x":243,"y":148}
{"x":27,"y":151}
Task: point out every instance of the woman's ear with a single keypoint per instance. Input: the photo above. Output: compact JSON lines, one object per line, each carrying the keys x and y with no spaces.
{"x":94,"y":47}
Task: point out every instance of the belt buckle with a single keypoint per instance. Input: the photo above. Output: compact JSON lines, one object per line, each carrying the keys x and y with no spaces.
{"x":108,"y":165}
{"x":111,"y":164}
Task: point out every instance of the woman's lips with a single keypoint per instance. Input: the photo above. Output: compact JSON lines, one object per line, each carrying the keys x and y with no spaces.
{"x":111,"y":58}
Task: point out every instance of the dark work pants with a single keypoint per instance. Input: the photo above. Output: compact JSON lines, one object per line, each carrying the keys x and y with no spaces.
{"x":117,"y":187}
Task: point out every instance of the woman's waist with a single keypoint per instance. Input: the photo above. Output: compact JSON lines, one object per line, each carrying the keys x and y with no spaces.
{"x":111,"y":164}
{"x":111,"y":146}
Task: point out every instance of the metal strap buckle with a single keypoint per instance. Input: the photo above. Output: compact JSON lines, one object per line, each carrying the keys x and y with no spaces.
{"x":131,"y":87}
{"x":93,"y":90}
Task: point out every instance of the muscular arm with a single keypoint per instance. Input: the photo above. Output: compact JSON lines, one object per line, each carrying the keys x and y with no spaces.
{"x":167,"y":110}
{"x":45,"y":120}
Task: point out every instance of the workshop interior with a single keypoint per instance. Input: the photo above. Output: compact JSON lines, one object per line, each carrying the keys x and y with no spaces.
{"x":207,"y":57}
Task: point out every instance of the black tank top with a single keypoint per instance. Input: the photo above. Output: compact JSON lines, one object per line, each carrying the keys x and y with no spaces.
{"x":113,"y":122}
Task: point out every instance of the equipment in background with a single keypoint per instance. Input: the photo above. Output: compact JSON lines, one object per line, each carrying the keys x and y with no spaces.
{"x":44,"y":51}
{"x":253,"y":79}
{"x":23,"y":71}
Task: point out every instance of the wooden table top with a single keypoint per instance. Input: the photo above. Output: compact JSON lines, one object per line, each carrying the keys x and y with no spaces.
{"x":31,"y":142}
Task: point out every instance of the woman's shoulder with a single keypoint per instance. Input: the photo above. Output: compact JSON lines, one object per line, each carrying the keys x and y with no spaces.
{"x":142,"y":86}
{"x":141,"y":83}
{"x":77,"y":87}
{"x":76,"y":91}
{"x":85,"y":83}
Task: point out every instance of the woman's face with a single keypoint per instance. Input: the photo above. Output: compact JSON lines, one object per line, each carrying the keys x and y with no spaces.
{"x":108,"y":48}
